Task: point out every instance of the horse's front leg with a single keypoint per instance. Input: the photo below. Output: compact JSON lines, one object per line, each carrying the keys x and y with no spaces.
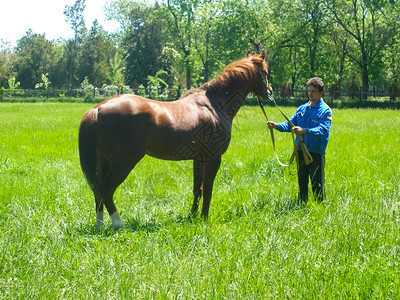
{"x":198,"y":177}
{"x":210,"y":171}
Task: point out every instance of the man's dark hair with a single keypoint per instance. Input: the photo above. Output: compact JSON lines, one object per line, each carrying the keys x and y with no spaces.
{"x":316,"y":82}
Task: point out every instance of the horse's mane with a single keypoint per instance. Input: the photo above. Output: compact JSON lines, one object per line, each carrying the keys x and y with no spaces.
{"x":243,"y":69}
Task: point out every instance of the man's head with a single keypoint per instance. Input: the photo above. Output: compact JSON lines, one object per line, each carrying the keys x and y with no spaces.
{"x":315,"y":89}
{"x":316,"y":82}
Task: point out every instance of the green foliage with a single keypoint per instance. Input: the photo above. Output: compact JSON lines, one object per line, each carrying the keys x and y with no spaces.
{"x":88,"y":90}
{"x":36,"y":57}
{"x":85,"y":85}
{"x":74,"y":16}
{"x":88,"y":53}
{"x":12,"y":84}
{"x":95,"y":53}
{"x":7,"y":63}
{"x":155,"y":83}
{"x":370,"y":28}
{"x":44,"y":84}
{"x":193,"y":40}
{"x":142,"y":41}
{"x":256,"y":244}
{"x":116,"y":67}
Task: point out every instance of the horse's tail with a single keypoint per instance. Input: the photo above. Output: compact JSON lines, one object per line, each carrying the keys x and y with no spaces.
{"x":87,"y":146}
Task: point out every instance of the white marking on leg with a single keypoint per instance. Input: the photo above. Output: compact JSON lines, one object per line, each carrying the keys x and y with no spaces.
{"x":116,"y":220}
{"x":99,"y":219}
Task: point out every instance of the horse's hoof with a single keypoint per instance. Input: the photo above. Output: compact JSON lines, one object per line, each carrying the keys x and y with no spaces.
{"x":117,"y":222}
{"x":118,"y":226}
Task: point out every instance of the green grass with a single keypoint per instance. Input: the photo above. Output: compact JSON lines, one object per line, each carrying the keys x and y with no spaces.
{"x":257,"y":243}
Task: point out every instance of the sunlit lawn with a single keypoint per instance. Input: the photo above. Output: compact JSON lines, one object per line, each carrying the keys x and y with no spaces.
{"x":257,"y":243}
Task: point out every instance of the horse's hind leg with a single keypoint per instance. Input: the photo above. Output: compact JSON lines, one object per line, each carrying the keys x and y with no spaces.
{"x":99,"y":211}
{"x":102,"y":167}
{"x":198,"y":177}
{"x":117,"y":173}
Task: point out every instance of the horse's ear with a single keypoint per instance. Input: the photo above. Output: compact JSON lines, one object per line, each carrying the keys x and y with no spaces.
{"x":262,"y":55}
{"x":249,"y":54}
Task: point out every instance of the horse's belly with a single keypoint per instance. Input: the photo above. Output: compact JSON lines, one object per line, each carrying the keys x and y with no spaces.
{"x":195,"y":145}
{"x":172,"y":149}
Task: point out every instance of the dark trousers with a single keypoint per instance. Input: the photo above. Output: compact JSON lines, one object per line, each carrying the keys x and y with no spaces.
{"x":315,"y":172}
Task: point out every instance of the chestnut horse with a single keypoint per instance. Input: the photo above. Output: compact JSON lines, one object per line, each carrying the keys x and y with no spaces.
{"x":116,"y":134}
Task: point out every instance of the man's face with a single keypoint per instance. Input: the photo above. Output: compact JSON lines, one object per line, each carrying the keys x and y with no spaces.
{"x":314,"y":94}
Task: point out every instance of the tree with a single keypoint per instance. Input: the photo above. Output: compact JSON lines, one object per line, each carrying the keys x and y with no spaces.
{"x":58,"y":75}
{"x":301,"y":47}
{"x":36,"y":57}
{"x":115,"y":75}
{"x":13,"y":84}
{"x":44,"y":83}
{"x":7,"y":63}
{"x":370,"y":26}
{"x":203,"y":35}
{"x":392,"y":61}
{"x":94,"y":56}
{"x":182,"y":17}
{"x":142,"y":41}
{"x":155,"y":82}
{"x":74,"y":16}
{"x":349,"y":43}
{"x":314,"y":27}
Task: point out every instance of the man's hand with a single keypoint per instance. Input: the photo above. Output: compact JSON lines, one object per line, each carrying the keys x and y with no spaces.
{"x":271,"y":125}
{"x":298,"y":130}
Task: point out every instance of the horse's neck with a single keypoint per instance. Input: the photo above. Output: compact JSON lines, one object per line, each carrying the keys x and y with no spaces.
{"x":229,"y":100}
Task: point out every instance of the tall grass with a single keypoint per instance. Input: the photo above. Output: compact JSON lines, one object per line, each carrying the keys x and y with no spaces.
{"x":257,"y":243}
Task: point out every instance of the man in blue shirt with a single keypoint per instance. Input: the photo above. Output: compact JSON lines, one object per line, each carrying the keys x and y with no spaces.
{"x":313,"y":121}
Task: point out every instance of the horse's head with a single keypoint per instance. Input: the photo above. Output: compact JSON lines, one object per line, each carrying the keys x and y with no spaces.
{"x":262,"y":88}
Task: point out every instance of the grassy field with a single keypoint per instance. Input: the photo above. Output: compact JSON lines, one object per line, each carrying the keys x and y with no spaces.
{"x":257,"y":244}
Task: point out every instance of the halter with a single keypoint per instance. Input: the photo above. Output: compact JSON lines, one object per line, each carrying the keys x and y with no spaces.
{"x":265,"y":83}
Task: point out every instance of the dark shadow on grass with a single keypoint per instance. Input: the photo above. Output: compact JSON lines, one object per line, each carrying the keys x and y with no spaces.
{"x":286,"y":206}
{"x":153,"y":225}
{"x":135,"y":224}
{"x":240,"y":211}
{"x":89,"y":229}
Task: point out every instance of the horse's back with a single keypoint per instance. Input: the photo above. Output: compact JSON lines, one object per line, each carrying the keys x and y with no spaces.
{"x":175,"y":130}
{"x":123,"y":105}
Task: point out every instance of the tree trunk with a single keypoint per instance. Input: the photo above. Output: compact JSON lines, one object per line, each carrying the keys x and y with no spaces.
{"x":365,"y":84}
{"x":188,"y":74}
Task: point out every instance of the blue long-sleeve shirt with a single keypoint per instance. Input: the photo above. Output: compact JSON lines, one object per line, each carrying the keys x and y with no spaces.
{"x":317,"y":122}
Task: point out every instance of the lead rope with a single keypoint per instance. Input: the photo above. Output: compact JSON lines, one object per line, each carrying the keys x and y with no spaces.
{"x":307,"y":156}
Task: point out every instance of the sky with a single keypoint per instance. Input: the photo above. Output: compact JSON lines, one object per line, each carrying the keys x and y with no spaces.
{"x":46,"y":16}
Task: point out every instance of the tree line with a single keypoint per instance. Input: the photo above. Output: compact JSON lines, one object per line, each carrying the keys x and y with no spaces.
{"x":351,"y":44}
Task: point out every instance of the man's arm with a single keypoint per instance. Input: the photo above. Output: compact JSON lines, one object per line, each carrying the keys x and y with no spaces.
{"x":284,"y":126}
